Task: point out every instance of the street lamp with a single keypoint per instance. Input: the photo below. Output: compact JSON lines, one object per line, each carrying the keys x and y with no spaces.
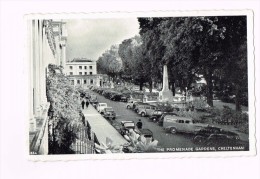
{"x":186,"y":94}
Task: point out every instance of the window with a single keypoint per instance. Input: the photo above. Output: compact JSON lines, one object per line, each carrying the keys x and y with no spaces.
{"x":78,"y":81}
{"x":71,"y":73}
{"x":181,"y":121}
{"x":80,"y":73}
{"x":85,"y":67}
{"x":90,"y":67}
{"x":86,"y":73}
{"x":80,"y":67}
{"x":72,"y":82}
{"x":91,"y":81}
{"x":90,"y":73}
{"x":187,"y":122}
{"x":85,"y":81}
{"x":71,"y":67}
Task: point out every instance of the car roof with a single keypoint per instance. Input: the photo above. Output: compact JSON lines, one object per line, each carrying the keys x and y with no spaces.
{"x":127,"y":121}
{"x":180,"y":117}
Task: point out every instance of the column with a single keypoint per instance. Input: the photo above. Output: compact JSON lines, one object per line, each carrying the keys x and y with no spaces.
{"x":32,"y":121}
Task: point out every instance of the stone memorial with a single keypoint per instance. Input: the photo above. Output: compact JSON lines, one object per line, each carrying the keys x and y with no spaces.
{"x":165,"y":95}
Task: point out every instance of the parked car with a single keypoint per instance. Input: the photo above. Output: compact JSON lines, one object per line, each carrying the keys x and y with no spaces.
{"x":156,"y":114}
{"x":109,"y":113}
{"x":160,"y":119}
{"x":125,"y":97}
{"x":214,"y":135}
{"x":101,"y":107}
{"x":146,"y":110}
{"x":137,"y":104}
{"x":174,"y":124}
{"x":116,"y":97}
{"x":147,"y":133}
{"x":130,"y":103}
{"x":126,"y":126}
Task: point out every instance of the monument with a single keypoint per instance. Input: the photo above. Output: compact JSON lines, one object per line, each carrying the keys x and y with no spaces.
{"x":165,"y":95}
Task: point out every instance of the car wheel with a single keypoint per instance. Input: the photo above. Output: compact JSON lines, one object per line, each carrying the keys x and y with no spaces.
{"x":154,"y":119}
{"x":173,"y":130}
{"x":127,"y":107}
{"x":142,"y":114}
{"x":198,"y":139}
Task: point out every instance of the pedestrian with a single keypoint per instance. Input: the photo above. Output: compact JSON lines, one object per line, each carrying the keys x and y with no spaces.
{"x":139,"y":124}
{"x":87,"y":103}
{"x":83,"y":104}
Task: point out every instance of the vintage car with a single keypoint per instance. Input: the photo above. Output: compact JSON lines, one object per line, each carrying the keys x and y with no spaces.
{"x":101,"y":107}
{"x":156,"y":114}
{"x":130,"y":103}
{"x":214,"y":135}
{"x":146,"y":109}
{"x":174,"y":124}
{"x":109,"y":113}
{"x":126,"y":126}
{"x":147,"y":133}
{"x":160,"y":118}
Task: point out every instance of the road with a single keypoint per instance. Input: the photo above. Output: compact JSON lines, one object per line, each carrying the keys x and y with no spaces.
{"x":165,"y":140}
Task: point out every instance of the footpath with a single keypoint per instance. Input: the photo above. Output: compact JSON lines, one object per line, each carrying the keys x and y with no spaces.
{"x":101,"y":127}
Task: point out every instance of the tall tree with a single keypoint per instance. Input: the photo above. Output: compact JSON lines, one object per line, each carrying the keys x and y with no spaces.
{"x":110,"y":63}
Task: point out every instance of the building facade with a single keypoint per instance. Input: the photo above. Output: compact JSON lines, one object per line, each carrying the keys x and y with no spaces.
{"x":83,"y":72}
{"x":46,"y":45}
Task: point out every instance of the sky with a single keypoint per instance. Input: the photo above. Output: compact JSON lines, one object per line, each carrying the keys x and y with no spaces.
{"x":89,"y":38}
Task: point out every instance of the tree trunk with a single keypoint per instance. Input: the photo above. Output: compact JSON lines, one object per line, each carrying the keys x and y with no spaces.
{"x":141,"y":85}
{"x":150,"y":86}
{"x":173,"y":88}
{"x":238,"y":96}
{"x":209,"y":87}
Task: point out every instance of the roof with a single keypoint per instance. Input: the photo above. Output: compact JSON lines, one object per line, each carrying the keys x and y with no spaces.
{"x":81,"y":60}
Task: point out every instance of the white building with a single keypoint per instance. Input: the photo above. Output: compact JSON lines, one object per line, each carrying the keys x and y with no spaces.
{"x":83,"y":72}
{"x":46,"y":45}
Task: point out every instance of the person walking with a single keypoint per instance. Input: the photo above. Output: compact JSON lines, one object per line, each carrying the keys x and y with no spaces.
{"x":139,"y":124}
{"x":83,"y":104}
{"x":87,"y":103}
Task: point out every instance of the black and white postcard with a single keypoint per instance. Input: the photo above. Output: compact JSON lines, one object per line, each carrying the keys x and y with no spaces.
{"x":140,"y":85}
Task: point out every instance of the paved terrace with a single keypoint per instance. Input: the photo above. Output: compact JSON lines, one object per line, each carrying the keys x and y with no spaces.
{"x":102,"y":128}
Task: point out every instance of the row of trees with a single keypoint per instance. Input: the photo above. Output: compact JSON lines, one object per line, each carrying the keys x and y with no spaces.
{"x":215,"y":47}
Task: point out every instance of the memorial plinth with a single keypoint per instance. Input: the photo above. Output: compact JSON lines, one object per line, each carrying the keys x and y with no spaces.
{"x":165,"y":95}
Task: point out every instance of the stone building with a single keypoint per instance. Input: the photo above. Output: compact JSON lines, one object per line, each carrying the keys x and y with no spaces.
{"x":46,"y":44}
{"x":83,"y":72}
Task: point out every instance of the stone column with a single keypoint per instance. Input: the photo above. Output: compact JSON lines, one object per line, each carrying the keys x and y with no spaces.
{"x":165,"y":95}
{"x":165,"y":78}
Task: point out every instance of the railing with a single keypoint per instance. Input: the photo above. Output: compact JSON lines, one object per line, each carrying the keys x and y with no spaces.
{"x":85,"y":144}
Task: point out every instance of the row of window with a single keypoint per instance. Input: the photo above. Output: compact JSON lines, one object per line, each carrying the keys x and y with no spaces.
{"x":84,"y":81}
{"x":80,"y":67}
{"x":80,"y":73}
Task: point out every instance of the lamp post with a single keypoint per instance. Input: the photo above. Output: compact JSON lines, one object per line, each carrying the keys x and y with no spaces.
{"x":186,"y":94}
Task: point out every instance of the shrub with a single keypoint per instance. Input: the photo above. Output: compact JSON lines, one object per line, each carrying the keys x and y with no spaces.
{"x":64,"y":112}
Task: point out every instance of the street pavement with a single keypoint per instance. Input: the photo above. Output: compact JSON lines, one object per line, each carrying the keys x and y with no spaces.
{"x":165,"y":140}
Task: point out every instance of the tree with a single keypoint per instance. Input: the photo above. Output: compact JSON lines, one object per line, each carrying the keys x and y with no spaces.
{"x":154,"y":48}
{"x":110,"y":63}
{"x":64,"y":119}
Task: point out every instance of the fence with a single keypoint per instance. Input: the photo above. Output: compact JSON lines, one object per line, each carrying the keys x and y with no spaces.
{"x":85,"y":144}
